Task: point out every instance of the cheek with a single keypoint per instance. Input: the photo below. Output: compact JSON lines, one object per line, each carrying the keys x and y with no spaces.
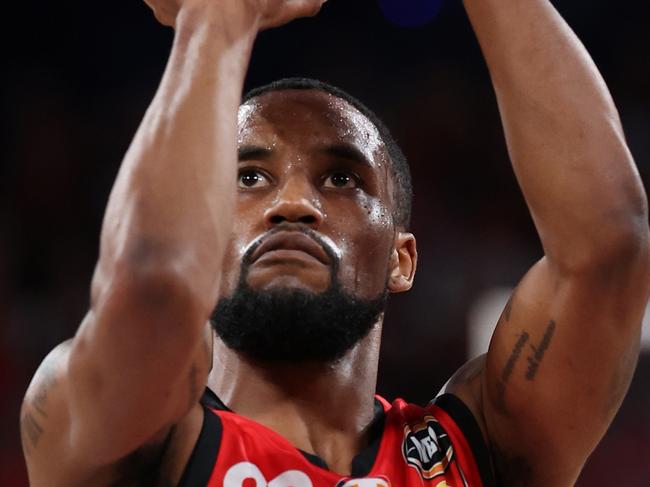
{"x":367,"y":248}
{"x":377,"y":214}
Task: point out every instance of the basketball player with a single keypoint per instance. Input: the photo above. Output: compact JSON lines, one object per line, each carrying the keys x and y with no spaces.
{"x":291,"y":213}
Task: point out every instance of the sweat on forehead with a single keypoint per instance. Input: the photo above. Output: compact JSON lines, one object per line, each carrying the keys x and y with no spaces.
{"x":320,"y":120}
{"x":325,"y":113}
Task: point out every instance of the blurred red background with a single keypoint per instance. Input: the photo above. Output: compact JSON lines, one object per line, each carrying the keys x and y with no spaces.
{"x":79,"y":76}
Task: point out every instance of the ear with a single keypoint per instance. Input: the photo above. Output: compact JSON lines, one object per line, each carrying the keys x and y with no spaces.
{"x":402,"y":264}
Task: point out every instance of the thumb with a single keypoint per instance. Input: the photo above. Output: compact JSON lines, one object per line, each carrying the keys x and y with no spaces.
{"x":303,"y":8}
{"x":308,"y":8}
{"x":293,"y":9}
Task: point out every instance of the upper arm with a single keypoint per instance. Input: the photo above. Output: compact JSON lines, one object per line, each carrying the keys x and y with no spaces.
{"x":138,"y":362}
{"x":558,"y":366}
{"x":76,"y":426}
{"x":45,"y":423}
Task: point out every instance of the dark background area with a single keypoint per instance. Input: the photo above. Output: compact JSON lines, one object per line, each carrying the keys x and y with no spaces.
{"x":78,"y":77}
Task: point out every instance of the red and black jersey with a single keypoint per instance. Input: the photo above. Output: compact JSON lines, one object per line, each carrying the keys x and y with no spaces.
{"x":439,"y":446}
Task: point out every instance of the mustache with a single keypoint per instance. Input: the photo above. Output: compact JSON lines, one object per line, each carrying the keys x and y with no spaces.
{"x":328,"y":247}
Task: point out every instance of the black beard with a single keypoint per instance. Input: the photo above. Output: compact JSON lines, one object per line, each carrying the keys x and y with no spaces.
{"x":293,"y":325}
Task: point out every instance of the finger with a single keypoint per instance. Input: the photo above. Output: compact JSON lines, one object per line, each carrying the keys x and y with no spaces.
{"x":164,"y":17}
{"x":160,"y":13}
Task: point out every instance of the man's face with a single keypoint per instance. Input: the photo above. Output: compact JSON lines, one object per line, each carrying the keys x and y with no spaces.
{"x":306,"y":272}
{"x":308,"y":159}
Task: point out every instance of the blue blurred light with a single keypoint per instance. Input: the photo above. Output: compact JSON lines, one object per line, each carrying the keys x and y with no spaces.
{"x":410,"y":13}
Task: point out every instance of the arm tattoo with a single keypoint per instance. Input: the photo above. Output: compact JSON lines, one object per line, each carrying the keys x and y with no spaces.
{"x":507,"y":310}
{"x":30,"y":431}
{"x":514,"y":356}
{"x":48,"y":380}
{"x":32,"y":420}
{"x":538,"y":352}
{"x":507,"y":371}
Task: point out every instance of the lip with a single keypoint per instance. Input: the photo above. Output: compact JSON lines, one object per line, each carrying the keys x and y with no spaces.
{"x":292,"y":241}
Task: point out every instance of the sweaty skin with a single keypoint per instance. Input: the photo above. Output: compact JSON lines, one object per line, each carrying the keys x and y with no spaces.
{"x":565,"y":348}
{"x":289,"y":139}
{"x":118,"y":403}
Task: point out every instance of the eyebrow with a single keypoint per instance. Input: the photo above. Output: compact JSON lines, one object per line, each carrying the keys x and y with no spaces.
{"x":348,"y":152}
{"x":340,"y":151}
{"x":251,"y":152}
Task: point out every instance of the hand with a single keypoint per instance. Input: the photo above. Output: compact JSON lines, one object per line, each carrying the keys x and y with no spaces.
{"x":165,"y":10}
{"x":272,"y":13}
{"x":279,"y":12}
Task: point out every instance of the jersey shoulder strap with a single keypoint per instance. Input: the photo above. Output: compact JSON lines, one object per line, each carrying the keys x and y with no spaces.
{"x":464,"y":420}
{"x":199,"y":467}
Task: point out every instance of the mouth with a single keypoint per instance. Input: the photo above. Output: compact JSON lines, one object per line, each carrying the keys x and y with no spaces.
{"x":291,"y":244}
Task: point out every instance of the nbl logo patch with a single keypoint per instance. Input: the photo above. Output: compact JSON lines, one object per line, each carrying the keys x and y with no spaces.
{"x":427,"y":448}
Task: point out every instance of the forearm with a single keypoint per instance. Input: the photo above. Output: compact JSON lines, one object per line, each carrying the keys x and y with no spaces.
{"x":165,"y":230}
{"x":172,"y":202}
{"x":562,"y":130}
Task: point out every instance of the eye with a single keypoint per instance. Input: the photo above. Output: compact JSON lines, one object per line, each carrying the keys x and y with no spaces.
{"x":341,"y":179}
{"x":251,"y":178}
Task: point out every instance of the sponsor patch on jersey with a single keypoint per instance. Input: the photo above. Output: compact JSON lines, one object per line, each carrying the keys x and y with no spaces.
{"x":365,"y":482}
{"x":427,"y":448}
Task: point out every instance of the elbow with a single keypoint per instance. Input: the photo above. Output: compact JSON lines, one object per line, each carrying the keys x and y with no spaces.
{"x":620,"y":250}
{"x":632,"y":254}
{"x":152,"y":284}
{"x":624,"y":241}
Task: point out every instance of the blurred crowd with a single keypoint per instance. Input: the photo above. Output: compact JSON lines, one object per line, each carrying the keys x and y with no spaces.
{"x":79,"y":78}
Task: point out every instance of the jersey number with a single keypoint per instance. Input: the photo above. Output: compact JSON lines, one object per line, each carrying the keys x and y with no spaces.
{"x":240,"y":472}
{"x":243,"y":471}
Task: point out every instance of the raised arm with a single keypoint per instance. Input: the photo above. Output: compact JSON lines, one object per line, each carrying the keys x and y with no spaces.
{"x":565,"y":348}
{"x":137,"y":363}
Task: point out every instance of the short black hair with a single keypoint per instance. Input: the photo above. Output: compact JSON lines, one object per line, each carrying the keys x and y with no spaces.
{"x":403,"y":190}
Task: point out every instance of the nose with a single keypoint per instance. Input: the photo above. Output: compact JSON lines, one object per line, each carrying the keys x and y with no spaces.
{"x":295,"y":202}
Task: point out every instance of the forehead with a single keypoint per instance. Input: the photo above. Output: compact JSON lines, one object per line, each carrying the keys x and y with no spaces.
{"x":308,"y":117}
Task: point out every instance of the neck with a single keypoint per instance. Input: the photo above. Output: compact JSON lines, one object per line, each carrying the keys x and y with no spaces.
{"x":320,"y":408}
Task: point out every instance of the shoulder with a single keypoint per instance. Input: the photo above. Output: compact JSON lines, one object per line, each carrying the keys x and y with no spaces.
{"x":52,"y":458}
{"x":442,"y":438}
{"x":461,"y":395}
{"x":43,"y":396}
{"x":52,"y":365}
{"x":44,"y":416}
{"x":466,"y":385}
